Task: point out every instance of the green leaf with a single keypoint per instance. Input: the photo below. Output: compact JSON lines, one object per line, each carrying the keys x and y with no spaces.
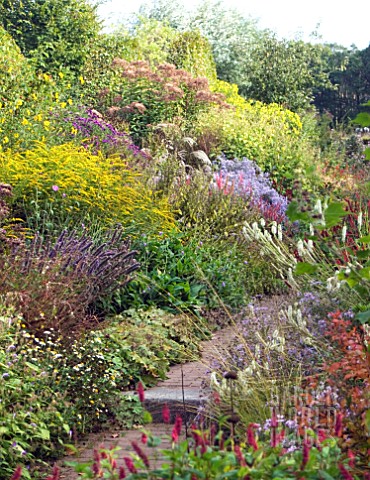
{"x":363,"y":254}
{"x":365,"y":273}
{"x":367,"y":153}
{"x":44,"y":434}
{"x":32,"y":366}
{"x":304,"y":268}
{"x":325,"y":475}
{"x":365,"y":239}
{"x":333,"y":214}
{"x":362,"y":119}
{"x":363,"y":317}
{"x":294,"y":214}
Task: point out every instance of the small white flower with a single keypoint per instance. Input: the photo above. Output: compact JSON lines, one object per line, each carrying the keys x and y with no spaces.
{"x":344,"y":233}
{"x":359,"y":221}
{"x":318,"y":207}
{"x":262,"y":222}
{"x":280,"y":233}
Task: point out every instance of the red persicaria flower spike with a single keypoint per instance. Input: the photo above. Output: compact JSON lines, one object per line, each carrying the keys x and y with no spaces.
{"x":55,"y":473}
{"x":17,"y":473}
{"x":96,"y":468}
{"x":140,"y":392}
{"x":281,"y":436}
{"x":130,"y":464}
{"x":251,"y":439}
{"x":321,"y":435}
{"x":96,"y":455}
{"x":174,"y":435}
{"x":141,"y":454}
{"x":305,"y":454}
{"x":351,"y":458}
{"x":345,"y":473}
{"x":166,"y":414}
{"x":239,"y":455}
{"x":121,"y":473}
{"x":339,"y":425}
{"x":178,"y":424}
{"x":274,"y":420}
{"x":144,"y":439}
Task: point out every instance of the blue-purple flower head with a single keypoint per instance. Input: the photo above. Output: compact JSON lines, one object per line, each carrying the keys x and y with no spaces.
{"x":245,"y":178}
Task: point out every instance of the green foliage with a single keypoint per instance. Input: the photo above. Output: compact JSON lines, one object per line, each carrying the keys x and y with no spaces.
{"x":197,"y":456}
{"x":230,"y":35}
{"x":54,"y":33}
{"x":145,"y":97}
{"x":270,"y":135}
{"x":15,"y":70}
{"x":284,"y":72}
{"x":192,"y":52}
{"x":33,"y":424}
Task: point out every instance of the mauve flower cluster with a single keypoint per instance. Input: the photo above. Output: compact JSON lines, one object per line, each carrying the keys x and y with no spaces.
{"x":99,"y":134}
{"x":245,"y":178}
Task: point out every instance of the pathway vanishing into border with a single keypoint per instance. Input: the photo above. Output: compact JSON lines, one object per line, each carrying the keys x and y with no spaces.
{"x":189,"y":379}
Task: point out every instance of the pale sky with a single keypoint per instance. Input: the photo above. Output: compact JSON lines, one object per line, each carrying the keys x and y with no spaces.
{"x":343,"y":23}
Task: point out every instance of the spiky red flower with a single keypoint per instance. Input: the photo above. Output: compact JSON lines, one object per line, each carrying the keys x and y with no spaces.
{"x":239,"y":455}
{"x":55,"y":475}
{"x":176,"y":431}
{"x":305,"y":454}
{"x":141,"y":454}
{"x":351,"y":458}
{"x":130,"y":464}
{"x":345,"y":473}
{"x":17,"y":473}
{"x":251,"y":439}
{"x":140,"y":392}
{"x":121,"y":473}
{"x":166,"y":414}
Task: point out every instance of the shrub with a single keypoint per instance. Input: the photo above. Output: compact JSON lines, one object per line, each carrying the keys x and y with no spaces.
{"x":32,"y":422}
{"x":54,"y":33}
{"x":65,"y":184}
{"x":145,"y":96}
{"x":16,"y":72}
{"x":269,"y":135}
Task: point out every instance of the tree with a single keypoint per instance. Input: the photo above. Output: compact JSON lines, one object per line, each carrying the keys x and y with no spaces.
{"x":54,"y":33}
{"x":230,"y":35}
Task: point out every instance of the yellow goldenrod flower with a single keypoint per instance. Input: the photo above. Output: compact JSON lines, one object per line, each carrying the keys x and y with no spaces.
{"x":25,"y":121}
{"x":63,"y":104}
{"x":81,"y":78}
{"x":6,"y":140}
{"x":61,"y":75}
{"x":34,"y":96}
{"x":70,"y":101}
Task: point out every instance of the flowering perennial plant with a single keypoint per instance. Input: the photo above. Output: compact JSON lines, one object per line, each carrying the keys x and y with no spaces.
{"x":245,"y":178}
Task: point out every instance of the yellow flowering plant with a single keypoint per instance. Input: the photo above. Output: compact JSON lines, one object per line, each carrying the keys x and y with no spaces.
{"x":67,"y":184}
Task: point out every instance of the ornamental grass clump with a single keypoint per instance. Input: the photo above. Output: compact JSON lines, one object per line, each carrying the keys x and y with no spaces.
{"x":66,"y":283}
{"x":66,"y":184}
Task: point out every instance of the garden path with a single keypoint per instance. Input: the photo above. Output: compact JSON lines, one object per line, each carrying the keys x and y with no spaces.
{"x":188,"y":378}
{"x":185,"y":383}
